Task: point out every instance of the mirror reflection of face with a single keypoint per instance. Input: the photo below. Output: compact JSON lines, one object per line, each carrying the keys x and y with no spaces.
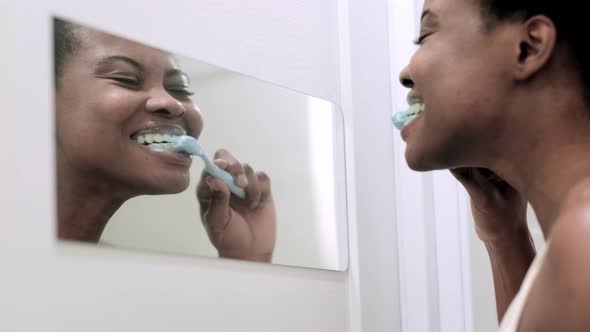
{"x":110,"y":91}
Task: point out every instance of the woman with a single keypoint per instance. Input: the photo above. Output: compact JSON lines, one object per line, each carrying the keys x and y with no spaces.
{"x":504,"y":86}
{"x":111,"y":94}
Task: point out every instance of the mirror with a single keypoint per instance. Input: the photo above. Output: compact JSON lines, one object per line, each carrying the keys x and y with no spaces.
{"x":124,"y":181}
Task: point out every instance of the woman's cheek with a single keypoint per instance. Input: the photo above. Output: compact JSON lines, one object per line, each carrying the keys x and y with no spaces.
{"x":194,"y":119}
{"x":118,"y":105}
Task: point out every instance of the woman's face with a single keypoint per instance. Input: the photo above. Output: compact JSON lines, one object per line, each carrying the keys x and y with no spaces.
{"x":110,"y":92}
{"x":461,"y":73}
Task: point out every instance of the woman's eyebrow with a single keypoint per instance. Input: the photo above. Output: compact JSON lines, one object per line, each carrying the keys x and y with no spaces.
{"x":114,"y":58}
{"x":429,"y":19}
{"x":427,"y":12}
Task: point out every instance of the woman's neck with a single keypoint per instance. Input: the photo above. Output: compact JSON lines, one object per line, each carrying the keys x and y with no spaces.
{"x":548,"y":158}
{"x":85,"y":206}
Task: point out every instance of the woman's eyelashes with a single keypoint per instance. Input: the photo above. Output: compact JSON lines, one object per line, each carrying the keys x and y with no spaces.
{"x":127,"y":80}
{"x":182,"y":91}
{"x":420,"y":40}
{"x":135,"y":82}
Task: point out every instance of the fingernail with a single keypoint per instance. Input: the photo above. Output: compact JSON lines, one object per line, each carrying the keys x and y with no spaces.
{"x":221,"y":163}
{"x":242,"y":180}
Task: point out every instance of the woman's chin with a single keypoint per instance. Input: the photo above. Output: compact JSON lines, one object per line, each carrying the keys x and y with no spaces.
{"x":419,"y":161}
{"x":165,"y":186}
{"x":173,"y":188}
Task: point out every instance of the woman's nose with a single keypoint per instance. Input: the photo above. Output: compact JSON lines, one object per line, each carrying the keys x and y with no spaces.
{"x":405,"y":79}
{"x":165,"y":105}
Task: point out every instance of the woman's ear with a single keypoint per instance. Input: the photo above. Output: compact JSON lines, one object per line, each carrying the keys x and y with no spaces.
{"x":535,"y":46}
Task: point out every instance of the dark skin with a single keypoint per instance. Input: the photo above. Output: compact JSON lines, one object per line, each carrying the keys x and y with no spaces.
{"x":504,"y":111}
{"x":111,"y":88}
{"x":238,"y":228}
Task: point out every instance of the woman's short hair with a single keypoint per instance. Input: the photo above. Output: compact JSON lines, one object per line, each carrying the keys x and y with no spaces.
{"x":65,"y":44}
{"x":569,"y":17}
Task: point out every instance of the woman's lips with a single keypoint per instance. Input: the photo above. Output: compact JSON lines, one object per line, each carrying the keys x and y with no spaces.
{"x":168,"y":157}
{"x":405,"y":131}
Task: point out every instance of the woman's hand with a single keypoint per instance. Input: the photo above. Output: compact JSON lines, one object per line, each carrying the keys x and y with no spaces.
{"x":498,"y":209}
{"x":238,"y":228}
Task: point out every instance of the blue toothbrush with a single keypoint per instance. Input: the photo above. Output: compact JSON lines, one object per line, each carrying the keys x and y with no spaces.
{"x":399,"y":119}
{"x":189,"y":145}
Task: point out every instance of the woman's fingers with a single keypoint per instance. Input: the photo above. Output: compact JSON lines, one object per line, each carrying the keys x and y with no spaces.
{"x":214,"y":195}
{"x":480,"y":183}
{"x":217,"y":213}
{"x":264,"y":187}
{"x":253,"y":193}
{"x":226,"y":161}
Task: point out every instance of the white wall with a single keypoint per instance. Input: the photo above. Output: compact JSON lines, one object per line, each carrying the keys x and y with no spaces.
{"x":72,"y":287}
{"x":345,"y":51}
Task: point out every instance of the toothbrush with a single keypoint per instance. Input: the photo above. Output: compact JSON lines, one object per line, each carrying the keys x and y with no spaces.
{"x":400,"y":119}
{"x":189,"y":145}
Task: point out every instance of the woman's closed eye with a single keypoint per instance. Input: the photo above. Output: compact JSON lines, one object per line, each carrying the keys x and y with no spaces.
{"x":127,"y":80}
{"x":180,"y":91}
{"x":420,"y":40}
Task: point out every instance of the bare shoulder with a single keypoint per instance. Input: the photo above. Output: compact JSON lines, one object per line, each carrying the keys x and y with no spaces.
{"x":560,"y":297}
{"x":573,"y":221}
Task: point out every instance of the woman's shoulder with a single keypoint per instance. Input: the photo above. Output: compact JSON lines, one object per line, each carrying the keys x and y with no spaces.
{"x":571,"y":231}
{"x":561,"y":295}
{"x":575,"y":211}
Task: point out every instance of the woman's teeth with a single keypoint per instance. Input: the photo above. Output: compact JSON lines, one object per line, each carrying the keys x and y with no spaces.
{"x":161,"y":147}
{"x":157,"y":142}
{"x":401,"y":119}
{"x":414,"y":111}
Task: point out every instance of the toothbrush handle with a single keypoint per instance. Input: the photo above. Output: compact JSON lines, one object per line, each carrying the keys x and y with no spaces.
{"x":225,"y":177}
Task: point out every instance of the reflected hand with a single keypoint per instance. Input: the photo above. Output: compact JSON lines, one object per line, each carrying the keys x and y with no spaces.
{"x":498,"y":209}
{"x":238,"y":228}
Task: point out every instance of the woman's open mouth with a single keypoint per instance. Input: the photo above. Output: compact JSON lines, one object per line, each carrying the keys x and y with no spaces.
{"x":403,"y":118}
{"x":158,"y":139}
{"x":414,"y":111}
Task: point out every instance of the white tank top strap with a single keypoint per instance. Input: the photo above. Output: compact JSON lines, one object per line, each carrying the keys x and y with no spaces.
{"x":512,"y":316}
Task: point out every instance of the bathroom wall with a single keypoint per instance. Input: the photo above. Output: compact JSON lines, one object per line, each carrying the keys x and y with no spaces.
{"x":71,"y":287}
{"x":409,"y":267}
{"x":304,"y":45}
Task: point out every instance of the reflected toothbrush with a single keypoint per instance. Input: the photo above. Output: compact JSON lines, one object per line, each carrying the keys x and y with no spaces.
{"x":190,"y":146}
